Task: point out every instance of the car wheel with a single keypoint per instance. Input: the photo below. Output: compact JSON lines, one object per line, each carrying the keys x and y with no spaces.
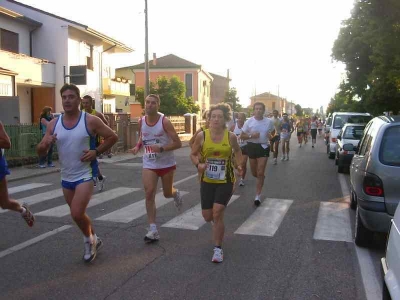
{"x":340,"y":168}
{"x":353,"y":201}
{"x":362,"y":235}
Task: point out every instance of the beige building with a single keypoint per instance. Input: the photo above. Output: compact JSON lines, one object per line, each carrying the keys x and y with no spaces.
{"x":219,"y":88}
{"x":271,"y":102}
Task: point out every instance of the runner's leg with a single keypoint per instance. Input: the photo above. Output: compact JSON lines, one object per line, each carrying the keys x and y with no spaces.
{"x":78,"y":204}
{"x":244,"y":165}
{"x":253,"y":166}
{"x":219,"y":227}
{"x":167,"y":184}
{"x":5,"y":201}
{"x":261,"y":164}
{"x":150,"y":180}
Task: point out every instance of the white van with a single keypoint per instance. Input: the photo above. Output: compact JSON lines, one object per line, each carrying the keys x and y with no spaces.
{"x":338,"y":121}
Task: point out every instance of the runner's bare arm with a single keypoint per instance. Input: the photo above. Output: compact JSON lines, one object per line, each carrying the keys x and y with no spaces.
{"x":47,"y":140}
{"x":236,"y":150}
{"x":5,"y":142}
{"x":195,"y":153}
{"x":170,"y":130}
{"x":247,"y":136}
{"x":98,"y":127}
{"x":101,"y":116}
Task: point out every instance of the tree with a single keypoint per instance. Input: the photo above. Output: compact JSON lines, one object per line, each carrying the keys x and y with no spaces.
{"x":299,"y":110}
{"x":308,"y":111}
{"x":172,"y":94}
{"x":369,"y":45}
{"x":232,"y":99}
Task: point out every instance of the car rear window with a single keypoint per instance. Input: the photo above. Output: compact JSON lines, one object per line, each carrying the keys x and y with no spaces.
{"x":353,"y":132}
{"x":389,"y":153}
{"x":340,"y":120}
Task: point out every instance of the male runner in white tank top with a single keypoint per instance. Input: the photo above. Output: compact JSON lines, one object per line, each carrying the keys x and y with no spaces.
{"x":74,"y":133}
{"x":158,"y":138}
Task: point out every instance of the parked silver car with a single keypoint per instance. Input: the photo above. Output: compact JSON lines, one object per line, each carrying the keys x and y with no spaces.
{"x":350,"y":135}
{"x":339,"y":119}
{"x":391,"y":261}
{"x":375,"y":178}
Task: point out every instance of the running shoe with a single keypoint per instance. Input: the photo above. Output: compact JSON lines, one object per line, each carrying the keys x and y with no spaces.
{"x":91,"y":249}
{"x":287,"y":158}
{"x":218,"y":256}
{"x":241,"y":182}
{"x":28,"y":216}
{"x":257,"y":201}
{"x":275,"y":161}
{"x":283,"y":158}
{"x":151,"y":236}
{"x":178,"y":201}
{"x":101,"y":183}
{"x":51,"y":165}
{"x":42,"y":166}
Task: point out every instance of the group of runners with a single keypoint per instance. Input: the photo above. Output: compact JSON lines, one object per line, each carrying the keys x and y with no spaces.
{"x":217,"y":150}
{"x":306,"y":128}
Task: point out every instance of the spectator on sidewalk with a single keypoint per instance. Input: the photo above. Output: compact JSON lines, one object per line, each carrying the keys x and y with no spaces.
{"x":45,"y":118}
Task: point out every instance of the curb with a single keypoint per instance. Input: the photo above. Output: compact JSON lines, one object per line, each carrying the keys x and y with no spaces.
{"x":55,"y":170}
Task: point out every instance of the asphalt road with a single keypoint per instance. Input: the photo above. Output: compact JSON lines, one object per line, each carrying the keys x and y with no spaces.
{"x":297,"y":245}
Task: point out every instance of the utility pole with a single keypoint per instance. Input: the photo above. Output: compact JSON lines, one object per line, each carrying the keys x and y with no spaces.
{"x":146,"y":54}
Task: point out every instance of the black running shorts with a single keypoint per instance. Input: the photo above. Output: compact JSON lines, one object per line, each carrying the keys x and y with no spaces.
{"x":256,"y":150}
{"x":244,"y":150}
{"x":314,"y":133}
{"x":215,"y":193}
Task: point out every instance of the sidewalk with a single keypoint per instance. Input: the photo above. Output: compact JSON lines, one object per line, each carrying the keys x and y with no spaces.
{"x":30,"y":171}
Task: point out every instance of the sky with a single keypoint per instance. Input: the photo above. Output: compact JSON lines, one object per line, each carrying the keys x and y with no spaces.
{"x":268,"y":45}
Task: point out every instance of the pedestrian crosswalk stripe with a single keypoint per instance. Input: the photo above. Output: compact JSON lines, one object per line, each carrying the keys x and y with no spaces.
{"x":63,"y":210}
{"x":266,"y":219}
{"x":135,"y":210}
{"x":33,"y":241}
{"x":333,"y":222}
{"x":130,"y":165}
{"x":191,"y":219}
{"x":30,"y":200}
{"x":26,"y":187}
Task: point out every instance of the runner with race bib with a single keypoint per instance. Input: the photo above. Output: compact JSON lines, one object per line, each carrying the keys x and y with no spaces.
{"x":215,"y":146}
{"x":158,"y":138}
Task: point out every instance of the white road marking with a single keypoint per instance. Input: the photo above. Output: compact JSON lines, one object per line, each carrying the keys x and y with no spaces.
{"x":63,"y":210}
{"x":33,"y":241}
{"x":135,"y":210}
{"x":333,"y":223}
{"x":192,"y":219}
{"x":39,"y":198}
{"x":26,"y":187}
{"x":370,"y":278}
{"x":131,"y":165}
{"x":266,"y":219}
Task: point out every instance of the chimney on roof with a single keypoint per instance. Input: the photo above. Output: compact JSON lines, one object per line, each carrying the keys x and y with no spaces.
{"x":154,"y":59}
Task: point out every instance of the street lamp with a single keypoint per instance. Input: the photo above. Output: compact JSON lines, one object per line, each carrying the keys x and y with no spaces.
{"x":146,"y":54}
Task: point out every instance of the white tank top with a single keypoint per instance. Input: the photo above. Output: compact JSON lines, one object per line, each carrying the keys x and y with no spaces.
{"x":313,"y":125}
{"x":156,"y":135}
{"x":237,"y":131}
{"x":70,"y":145}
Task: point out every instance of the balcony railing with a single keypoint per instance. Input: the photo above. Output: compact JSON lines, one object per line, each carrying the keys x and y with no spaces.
{"x":30,"y":70}
{"x":112,"y":87}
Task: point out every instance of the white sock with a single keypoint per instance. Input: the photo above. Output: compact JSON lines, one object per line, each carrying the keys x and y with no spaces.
{"x":153,"y":227}
{"x":23,"y":212}
{"x":89,"y":239}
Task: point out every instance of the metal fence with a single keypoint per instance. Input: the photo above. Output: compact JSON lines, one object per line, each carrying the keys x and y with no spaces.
{"x":24,"y":138}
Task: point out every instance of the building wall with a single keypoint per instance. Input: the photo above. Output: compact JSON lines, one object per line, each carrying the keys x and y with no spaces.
{"x":25,"y":106}
{"x":120,"y":101}
{"x":180,"y":73}
{"x":204,"y":91}
{"x":21,"y":29}
{"x":269,"y":101}
{"x":219,"y":87}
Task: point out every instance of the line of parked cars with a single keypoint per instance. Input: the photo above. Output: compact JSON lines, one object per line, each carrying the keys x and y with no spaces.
{"x":370,"y":149}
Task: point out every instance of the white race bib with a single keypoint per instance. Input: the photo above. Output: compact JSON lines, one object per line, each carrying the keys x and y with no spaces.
{"x":216,"y":168}
{"x":148,"y":152}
